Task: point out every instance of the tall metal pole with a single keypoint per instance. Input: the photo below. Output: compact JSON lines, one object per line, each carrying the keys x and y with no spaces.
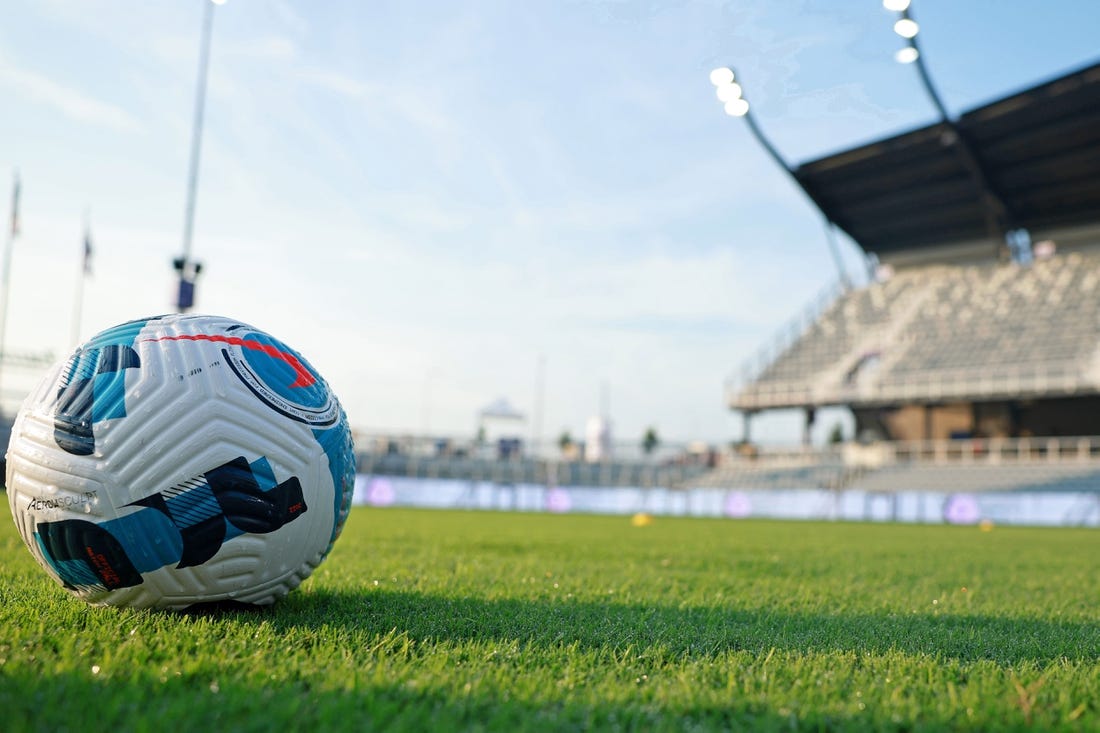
{"x":187,"y":269}
{"x":425,"y":428}
{"x":834,"y":250}
{"x":766,"y":144}
{"x":536,"y":417}
{"x":925,"y":77}
{"x":85,"y":267}
{"x":999,"y":217}
{"x":829,"y":223}
{"x":5,"y":288}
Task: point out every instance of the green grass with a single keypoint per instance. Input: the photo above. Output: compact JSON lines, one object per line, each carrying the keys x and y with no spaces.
{"x":455,"y":620}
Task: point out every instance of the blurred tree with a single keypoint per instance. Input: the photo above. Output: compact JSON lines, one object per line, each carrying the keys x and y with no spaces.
{"x":565,"y":441}
{"x":650,"y":441}
{"x":837,"y":434}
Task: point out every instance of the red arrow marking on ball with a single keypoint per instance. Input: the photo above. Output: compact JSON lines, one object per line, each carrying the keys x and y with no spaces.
{"x":304,"y":378}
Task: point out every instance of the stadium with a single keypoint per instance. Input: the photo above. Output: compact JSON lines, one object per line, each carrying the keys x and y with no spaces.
{"x":970,"y":361}
{"x":931,"y":569}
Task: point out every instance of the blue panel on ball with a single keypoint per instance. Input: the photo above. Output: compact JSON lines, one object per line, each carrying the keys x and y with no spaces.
{"x":192,"y":506}
{"x":92,"y":387}
{"x":264,"y":474}
{"x":67,"y":543}
{"x":184,"y":526}
{"x":151,"y":539}
{"x":109,"y":396}
{"x":338,"y":448}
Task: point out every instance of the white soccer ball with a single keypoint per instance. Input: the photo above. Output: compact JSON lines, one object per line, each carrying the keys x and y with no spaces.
{"x":178,"y":460}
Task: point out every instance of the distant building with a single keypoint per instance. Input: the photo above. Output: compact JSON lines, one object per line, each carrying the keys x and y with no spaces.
{"x":500,"y":427}
{"x":597,"y":439}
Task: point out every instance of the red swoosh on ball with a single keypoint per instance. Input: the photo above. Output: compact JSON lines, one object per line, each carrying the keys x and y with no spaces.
{"x":304,"y":378}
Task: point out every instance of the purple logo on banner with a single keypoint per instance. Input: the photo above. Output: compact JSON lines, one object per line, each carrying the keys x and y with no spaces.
{"x":380,"y":492}
{"x":557,"y":500}
{"x":738,"y":505}
{"x":961,"y":509}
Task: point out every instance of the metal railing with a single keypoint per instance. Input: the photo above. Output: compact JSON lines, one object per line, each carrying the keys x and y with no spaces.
{"x":788,"y":334}
{"x":986,"y":382}
{"x":535,"y":471}
{"x":993,"y":451}
{"x":834,"y":467}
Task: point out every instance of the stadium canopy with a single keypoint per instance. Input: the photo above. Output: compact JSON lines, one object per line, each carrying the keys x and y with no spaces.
{"x":1030,"y":161}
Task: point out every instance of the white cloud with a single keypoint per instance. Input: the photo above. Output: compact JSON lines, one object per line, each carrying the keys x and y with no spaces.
{"x":263,"y":48}
{"x":73,"y":104}
{"x":334,"y":81}
{"x":290,"y":18}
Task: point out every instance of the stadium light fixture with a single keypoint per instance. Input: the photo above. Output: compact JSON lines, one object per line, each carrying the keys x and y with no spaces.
{"x":722,"y":75}
{"x":907,"y":55}
{"x":906,"y":28}
{"x":736,"y":107}
{"x":729,"y":92}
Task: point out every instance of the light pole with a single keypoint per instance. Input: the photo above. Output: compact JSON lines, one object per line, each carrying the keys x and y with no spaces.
{"x":999,"y":218}
{"x":908,"y":29}
{"x":13,"y":232}
{"x":731,"y":94}
{"x":187,"y":268}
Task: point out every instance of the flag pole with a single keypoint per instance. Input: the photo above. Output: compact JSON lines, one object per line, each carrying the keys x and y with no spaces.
{"x":187,"y":268}
{"x":78,"y":304}
{"x":5,"y":287}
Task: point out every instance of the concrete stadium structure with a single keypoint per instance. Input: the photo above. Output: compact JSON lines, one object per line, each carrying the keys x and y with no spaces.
{"x":981,"y":324}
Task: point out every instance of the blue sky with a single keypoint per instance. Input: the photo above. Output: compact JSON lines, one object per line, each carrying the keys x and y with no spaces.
{"x":430,"y":199}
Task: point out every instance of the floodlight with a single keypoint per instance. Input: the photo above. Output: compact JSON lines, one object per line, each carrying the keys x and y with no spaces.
{"x":737,"y":108}
{"x":906,"y":28}
{"x":721,"y":75}
{"x":898,"y":5}
{"x":907,"y":55}
{"x":729,"y":92}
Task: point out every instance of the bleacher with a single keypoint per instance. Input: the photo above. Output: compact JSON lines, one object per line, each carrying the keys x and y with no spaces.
{"x":849,"y":324}
{"x":947,"y":331}
{"x":1037,"y":318}
{"x":529,"y":470}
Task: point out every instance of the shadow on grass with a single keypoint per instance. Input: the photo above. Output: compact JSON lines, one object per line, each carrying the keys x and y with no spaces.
{"x":141,"y":702}
{"x":692,"y":632}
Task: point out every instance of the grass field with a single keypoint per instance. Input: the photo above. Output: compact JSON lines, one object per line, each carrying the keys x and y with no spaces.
{"x":437,"y":621}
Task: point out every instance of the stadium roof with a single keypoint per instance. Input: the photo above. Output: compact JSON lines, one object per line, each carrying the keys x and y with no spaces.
{"x":1030,"y":160}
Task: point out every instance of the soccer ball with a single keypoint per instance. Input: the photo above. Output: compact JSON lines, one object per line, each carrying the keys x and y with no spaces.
{"x":178,"y":460}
